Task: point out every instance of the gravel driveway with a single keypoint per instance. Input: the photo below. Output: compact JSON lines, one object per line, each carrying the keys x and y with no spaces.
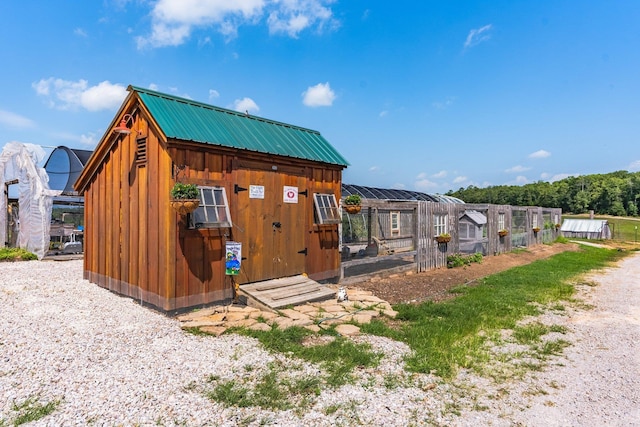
{"x":109,"y":361}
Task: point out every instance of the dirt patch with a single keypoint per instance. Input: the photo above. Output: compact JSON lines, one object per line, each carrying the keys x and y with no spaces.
{"x":434,"y":285}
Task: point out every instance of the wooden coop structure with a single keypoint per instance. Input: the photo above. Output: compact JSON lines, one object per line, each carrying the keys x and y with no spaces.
{"x":266,"y":187}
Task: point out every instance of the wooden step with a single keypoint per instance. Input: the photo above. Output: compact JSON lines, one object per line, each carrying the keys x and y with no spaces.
{"x":286,"y":291}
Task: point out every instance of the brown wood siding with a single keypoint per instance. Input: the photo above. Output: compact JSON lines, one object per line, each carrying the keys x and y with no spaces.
{"x":198,"y":255}
{"x":323,"y":256}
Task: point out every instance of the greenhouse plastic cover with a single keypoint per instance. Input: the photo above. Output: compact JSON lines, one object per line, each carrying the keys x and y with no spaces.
{"x":20,"y":161}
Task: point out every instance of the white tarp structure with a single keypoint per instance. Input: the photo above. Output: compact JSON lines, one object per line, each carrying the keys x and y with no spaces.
{"x":586,"y":228}
{"x":20,"y":161}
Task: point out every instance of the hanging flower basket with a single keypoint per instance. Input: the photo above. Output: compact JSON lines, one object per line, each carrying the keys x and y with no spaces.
{"x":185,"y":206}
{"x":503,"y":233}
{"x":184,"y":198}
{"x":443,"y":238}
{"x":352,"y":203}
{"x":536,"y":229}
{"x":557,"y":226}
{"x":352,"y":209}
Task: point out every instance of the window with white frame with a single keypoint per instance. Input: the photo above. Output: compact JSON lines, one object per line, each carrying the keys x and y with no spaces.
{"x":213,"y":211}
{"x":395,"y":222}
{"x":534,"y":220}
{"x":326,"y":209}
{"x":439,"y":224}
{"x":501,"y":221}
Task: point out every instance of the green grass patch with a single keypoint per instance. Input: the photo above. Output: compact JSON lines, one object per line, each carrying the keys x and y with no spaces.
{"x":446,"y":336}
{"x":282,"y":386}
{"x":30,"y":410}
{"x":16,"y":254}
{"x":338,"y":358}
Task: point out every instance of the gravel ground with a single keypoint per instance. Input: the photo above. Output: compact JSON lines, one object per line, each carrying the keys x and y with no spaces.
{"x":109,"y":361}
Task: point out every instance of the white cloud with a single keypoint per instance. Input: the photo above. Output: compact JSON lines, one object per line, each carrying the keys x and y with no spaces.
{"x":374,"y":169}
{"x":104,"y":96}
{"x":459,"y":179}
{"x":540,"y":154}
{"x":319,"y":95}
{"x":153,"y":86}
{"x":443,"y":105}
{"x":424,"y":185}
{"x":561,"y":176}
{"x":383,"y":113}
{"x":399,"y":186}
{"x":544,"y":175}
{"x":173,"y":21}
{"x":245,"y":105}
{"x":440,"y":174}
{"x":14,"y":120}
{"x":293,"y":16}
{"x":213,"y":94}
{"x":517,"y":169}
{"x":69,"y":95}
{"x":634,"y":166}
{"x":477,"y":36}
{"x":521,"y":180}
{"x":80,"y":32}
{"x":89,"y":139}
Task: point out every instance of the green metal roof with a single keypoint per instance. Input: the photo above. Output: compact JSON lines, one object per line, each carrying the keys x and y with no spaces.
{"x":188,"y":120}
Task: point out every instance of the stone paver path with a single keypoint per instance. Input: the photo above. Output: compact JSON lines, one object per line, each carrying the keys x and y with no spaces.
{"x":361,"y":307}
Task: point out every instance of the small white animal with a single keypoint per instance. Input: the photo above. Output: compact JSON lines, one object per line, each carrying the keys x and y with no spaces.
{"x":342,"y":295}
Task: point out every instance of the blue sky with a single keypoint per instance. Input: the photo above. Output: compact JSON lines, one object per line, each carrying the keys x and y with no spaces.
{"x":427,"y":96}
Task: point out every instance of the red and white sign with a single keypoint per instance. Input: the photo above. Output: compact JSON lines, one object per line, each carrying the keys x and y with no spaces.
{"x":290,"y":194}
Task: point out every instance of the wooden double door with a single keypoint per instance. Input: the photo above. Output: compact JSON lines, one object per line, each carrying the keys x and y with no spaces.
{"x":269,"y":211}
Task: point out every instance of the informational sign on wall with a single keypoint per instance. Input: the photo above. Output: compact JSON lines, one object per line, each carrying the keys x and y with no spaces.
{"x":256,"y":191}
{"x":290,"y":194}
{"x":233,"y":258}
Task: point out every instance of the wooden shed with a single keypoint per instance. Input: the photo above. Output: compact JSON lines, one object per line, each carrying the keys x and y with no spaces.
{"x":267,"y":188}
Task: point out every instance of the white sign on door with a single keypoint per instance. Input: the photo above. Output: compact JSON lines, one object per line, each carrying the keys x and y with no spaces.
{"x":256,"y":191}
{"x":290,"y":194}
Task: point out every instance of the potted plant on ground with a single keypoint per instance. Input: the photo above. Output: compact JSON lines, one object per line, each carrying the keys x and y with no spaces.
{"x":503,"y":232}
{"x":443,"y":238}
{"x":185,"y":198}
{"x":352,"y":203}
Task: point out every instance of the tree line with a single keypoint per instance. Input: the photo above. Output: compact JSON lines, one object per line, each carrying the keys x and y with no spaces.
{"x":614,"y":193}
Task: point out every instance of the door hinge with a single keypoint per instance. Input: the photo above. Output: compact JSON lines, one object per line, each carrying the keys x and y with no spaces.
{"x":237,"y":189}
{"x":304,"y":193}
{"x":304,"y":251}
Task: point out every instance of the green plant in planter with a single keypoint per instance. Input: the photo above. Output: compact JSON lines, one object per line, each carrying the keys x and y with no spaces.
{"x":353,"y":199}
{"x":184,"y":191}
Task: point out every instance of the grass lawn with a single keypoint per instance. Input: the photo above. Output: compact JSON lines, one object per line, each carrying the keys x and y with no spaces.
{"x":448,"y":335}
